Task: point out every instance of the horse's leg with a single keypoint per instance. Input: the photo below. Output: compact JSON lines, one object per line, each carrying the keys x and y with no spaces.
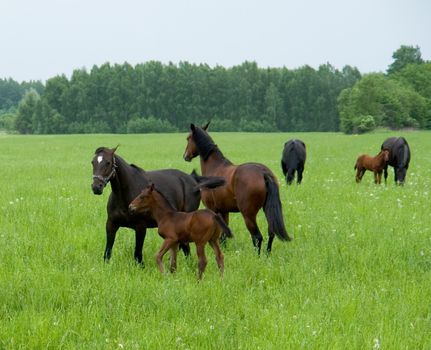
{"x":218,"y":255}
{"x":111,"y":231}
{"x":174,"y":250}
{"x":223,"y":239}
{"x":385,"y":172}
{"x":300,"y":170}
{"x":185,"y":247}
{"x":395,"y":175}
{"x":358,"y":175}
{"x":167,"y":244}
{"x":202,"y":260}
{"x":256,"y":236}
{"x":140,"y":233}
{"x":376,"y":180}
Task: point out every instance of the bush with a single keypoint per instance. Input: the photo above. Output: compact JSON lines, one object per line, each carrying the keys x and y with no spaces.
{"x":7,"y":122}
{"x":256,"y":126}
{"x":149,"y":125}
{"x":365,"y":123}
{"x":223,"y":125}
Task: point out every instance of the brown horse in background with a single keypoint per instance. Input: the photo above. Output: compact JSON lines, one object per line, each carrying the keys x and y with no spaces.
{"x":249,"y":187}
{"x":375,"y":164}
{"x":200,"y":226}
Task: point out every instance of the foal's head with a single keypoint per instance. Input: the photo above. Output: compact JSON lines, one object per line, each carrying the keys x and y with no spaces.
{"x":144,"y":201}
{"x":385,"y":155}
{"x":191,"y":148}
{"x":104,"y":167}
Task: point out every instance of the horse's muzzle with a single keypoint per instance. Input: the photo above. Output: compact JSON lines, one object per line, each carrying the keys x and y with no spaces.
{"x":187,"y":158}
{"x":132,"y":209}
{"x":97,"y":188}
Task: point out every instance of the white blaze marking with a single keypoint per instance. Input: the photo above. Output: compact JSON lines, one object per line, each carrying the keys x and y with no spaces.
{"x":99,"y":159}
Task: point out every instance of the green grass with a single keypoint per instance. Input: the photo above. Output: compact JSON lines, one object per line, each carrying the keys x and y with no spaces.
{"x":356,"y":276}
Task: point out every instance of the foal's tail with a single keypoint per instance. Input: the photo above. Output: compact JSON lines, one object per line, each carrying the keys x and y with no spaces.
{"x":207,"y":182}
{"x":273,"y":209}
{"x":224,"y":227}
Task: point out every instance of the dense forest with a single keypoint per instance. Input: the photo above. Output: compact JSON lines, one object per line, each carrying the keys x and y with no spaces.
{"x":156,"y":97}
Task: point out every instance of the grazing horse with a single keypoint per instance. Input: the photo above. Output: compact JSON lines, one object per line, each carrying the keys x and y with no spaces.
{"x":293,"y":159}
{"x":375,"y":164}
{"x":127,"y":181}
{"x":399,"y":158}
{"x":201,"y":227}
{"x":249,"y":187}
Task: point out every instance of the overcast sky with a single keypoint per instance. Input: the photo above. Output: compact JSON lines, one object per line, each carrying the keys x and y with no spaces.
{"x":43,"y":38}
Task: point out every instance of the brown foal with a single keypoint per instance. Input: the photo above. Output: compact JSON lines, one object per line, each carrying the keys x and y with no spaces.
{"x":375,"y":164}
{"x":200,"y":226}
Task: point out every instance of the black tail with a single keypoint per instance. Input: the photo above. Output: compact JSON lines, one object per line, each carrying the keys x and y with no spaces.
{"x":207,"y":182}
{"x":224,"y":227}
{"x":273,"y":209}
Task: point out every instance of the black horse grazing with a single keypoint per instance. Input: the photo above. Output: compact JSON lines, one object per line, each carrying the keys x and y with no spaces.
{"x":293,"y":159}
{"x":399,"y":158}
{"x":127,"y":180}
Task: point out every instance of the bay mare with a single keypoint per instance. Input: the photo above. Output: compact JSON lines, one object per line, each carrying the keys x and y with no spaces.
{"x":181,"y":190}
{"x":249,"y":187}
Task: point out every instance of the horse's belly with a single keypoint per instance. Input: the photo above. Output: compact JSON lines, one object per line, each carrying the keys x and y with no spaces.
{"x":219,"y":201}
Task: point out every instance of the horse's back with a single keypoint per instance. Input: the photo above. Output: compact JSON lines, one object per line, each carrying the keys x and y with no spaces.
{"x":294,"y":152}
{"x":399,"y":151}
{"x":178,"y":187}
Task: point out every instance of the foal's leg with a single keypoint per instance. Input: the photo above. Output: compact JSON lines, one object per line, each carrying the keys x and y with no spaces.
{"x":202,"y":259}
{"x":167,"y":244}
{"x":218,"y":255}
{"x":174,"y":251}
{"x":379,"y":177}
{"x":376,"y":179}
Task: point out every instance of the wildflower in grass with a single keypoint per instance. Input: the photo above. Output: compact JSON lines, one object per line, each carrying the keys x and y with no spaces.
{"x":376,"y":343}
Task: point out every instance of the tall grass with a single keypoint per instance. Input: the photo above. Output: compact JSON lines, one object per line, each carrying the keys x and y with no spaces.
{"x":356,"y":276}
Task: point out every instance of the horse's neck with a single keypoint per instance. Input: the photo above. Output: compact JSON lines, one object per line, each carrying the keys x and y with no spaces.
{"x":215,"y":160}
{"x":161,"y":207}
{"x":120,"y":182}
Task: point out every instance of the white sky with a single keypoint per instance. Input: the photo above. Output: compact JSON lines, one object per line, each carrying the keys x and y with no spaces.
{"x":43,"y":38}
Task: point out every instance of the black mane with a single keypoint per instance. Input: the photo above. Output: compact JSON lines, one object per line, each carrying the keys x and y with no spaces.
{"x":205,"y":144}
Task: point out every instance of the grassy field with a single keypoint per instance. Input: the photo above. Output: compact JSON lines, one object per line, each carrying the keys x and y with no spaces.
{"x":356,"y":276}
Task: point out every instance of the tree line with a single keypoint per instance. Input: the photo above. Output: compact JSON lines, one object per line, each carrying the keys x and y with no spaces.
{"x":156,"y":97}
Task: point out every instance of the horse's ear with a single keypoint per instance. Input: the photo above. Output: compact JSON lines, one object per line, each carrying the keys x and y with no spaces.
{"x":192,"y":127}
{"x":205,"y":127}
{"x":115,"y":148}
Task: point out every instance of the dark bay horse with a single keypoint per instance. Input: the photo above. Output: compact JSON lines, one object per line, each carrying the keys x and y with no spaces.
{"x":399,"y":158}
{"x":375,"y":164}
{"x":249,"y":187}
{"x":293,"y":159}
{"x":201,"y":227}
{"x":127,"y":180}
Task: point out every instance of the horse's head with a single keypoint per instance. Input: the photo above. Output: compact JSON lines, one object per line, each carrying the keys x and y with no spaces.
{"x":142,"y":203}
{"x":401,"y":175}
{"x":104,"y":168}
{"x":191,"y":148}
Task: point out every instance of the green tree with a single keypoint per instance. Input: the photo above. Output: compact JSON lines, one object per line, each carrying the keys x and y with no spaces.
{"x":403,"y":56}
{"x":26,"y":112}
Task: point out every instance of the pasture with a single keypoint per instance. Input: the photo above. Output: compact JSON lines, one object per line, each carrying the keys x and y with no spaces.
{"x":357,"y":274}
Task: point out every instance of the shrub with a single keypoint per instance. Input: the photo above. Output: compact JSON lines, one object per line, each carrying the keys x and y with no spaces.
{"x":149,"y":125}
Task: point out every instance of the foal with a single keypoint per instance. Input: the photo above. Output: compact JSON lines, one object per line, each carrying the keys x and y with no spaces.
{"x":200,"y":226}
{"x":375,"y":164}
